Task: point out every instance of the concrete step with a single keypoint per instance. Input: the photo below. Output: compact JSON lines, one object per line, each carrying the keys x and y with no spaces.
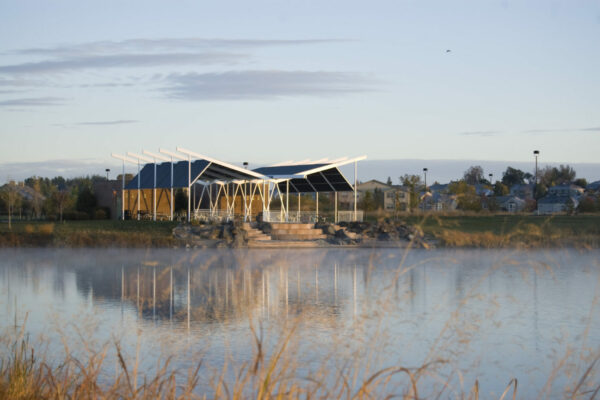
{"x":292,"y":236}
{"x":282,"y":244}
{"x":297,"y":232}
{"x":255,"y":234}
{"x":292,"y":226}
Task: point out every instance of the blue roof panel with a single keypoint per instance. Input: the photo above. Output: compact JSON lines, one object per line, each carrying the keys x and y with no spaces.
{"x":163,"y":175}
{"x":287,"y":169}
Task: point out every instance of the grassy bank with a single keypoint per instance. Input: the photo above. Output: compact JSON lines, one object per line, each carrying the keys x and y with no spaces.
{"x":496,"y":231}
{"x":102,"y":233}
{"x":486,"y":231}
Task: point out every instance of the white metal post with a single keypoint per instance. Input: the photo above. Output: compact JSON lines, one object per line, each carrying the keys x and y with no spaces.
{"x":172,"y":199}
{"x":317,"y":210}
{"x":154,"y":193}
{"x":244,"y":193}
{"x":189,"y":185}
{"x":355,"y":179}
{"x":138,"y":183}
{"x":335,"y":216}
{"x":123,"y":194}
{"x":287,"y":200}
{"x":210,"y":203}
{"x":125,"y":159}
{"x":180,"y":157}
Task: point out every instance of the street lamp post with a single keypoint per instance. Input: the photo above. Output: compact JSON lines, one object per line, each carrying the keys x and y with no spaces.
{"x":491,"y":178}
{"x":425,"y":192}
{"x":107,"y":171}
{"x":536,"y":153}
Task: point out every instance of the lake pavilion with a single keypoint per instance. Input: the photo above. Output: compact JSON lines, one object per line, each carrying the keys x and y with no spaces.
{"x":218,"y":190}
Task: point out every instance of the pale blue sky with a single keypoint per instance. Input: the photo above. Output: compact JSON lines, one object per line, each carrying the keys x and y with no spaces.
{"x":267,"y":81}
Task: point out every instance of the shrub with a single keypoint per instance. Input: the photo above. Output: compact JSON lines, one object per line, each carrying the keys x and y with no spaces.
{"x":47,"y":229}
{"x":100,"y":213}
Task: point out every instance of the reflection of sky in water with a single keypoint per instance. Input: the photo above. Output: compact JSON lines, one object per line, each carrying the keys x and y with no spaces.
{"x":492,"y":314}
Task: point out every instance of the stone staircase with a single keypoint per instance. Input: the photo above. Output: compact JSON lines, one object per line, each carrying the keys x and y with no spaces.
{"x":255,"y":235}
{"x":296,"y":232}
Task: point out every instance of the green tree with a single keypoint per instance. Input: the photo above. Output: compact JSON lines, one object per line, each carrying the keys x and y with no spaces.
{"x":378,"y":198}
{"x":587,"y":205}
{"x":367,"y":203}
{"x":551,"y":176}
{"x":474,"y":175}
{"x":61,"y":199}
{"x":513,"y":176}
{"x":414,"y":185}
{"x":467,"y":198}
{"x":500,"y":189}
{"x":389,"y":181}
{"x":86,"y":201}
{"x":581,"y":182}
{"x":11,"y":198}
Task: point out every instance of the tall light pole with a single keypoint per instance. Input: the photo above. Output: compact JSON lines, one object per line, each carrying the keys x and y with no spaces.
{"x":491,"y":178}
{"x":425,"y":192}
{"x":536,"y":153}
{"x":107,"y":171}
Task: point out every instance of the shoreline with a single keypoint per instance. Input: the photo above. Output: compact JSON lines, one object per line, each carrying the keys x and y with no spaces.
{"x":492,"y":232}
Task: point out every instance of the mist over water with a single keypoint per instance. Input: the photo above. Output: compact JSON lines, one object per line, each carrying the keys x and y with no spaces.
{"x":489,"y":315}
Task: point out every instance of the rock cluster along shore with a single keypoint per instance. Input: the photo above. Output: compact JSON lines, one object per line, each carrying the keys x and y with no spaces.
{"x":233,"y":235}
{"x":385,"y":231}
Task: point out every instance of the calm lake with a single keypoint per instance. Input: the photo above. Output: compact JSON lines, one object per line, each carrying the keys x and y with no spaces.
{"x":486,"y":315}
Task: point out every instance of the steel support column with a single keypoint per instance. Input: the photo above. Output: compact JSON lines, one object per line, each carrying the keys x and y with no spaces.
{"x":355,"y":194}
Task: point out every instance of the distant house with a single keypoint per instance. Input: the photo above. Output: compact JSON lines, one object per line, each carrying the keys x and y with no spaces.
{"x":395,"y":197}
{"x":439,"y":187}
{"x":108,"y":196}
{"x":483,"y":190}
{"x":552,"y":204}
{"x":523,"y":191}
{"x":438,"y":201}
{"x":565,"y":190}
{"x":510,"y":203}
{"x":593,"y":187}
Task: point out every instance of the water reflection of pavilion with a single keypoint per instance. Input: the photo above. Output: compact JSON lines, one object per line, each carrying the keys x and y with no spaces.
{"x":222,"y":286}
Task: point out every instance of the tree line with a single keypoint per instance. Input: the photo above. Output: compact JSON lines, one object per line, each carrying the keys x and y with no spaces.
{"x":53,"y":198}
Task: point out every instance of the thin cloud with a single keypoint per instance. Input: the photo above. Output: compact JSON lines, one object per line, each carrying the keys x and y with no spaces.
{"x":105,"y":85}
{"x":590,"y":129}
{"x":33,"y":102}
{"x":546,"y":130}
{"x":257,"y":85}
{"x":19,"y":82}
{"x":116,"y":122}
{"x":120,"y":61}
{"x":161,"y":45}
{"x":480,"y":133}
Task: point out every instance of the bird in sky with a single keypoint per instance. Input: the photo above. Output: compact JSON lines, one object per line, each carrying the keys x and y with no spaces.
{"x":448,"y":51}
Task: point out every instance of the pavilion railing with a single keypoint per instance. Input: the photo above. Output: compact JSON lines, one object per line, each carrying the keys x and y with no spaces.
{"x":212,"y":215}
{"x":306,"y":217}
{"x":348,"y":216}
